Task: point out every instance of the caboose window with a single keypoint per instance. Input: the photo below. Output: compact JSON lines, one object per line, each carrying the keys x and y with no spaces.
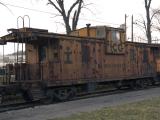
{"x":132,"y":55}
{"x":145,"y":56}
{"x":115,"y":35}
{"x":56,"y":57}
{"x":56,"y":48}
{"x":85,"y":54}
{"x":42,"y":53}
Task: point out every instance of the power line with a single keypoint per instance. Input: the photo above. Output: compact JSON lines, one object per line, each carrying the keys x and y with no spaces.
{"x":99,"y":21}
{"x":40,"y":11}
{"x":35,"y":10}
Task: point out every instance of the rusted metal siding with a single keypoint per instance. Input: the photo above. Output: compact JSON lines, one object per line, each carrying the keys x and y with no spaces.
{"x":75,"y":60}
{"x":156,"y":58}
{"x":71,"y":60}
{"x":114,"y":67}
{"x":139,"y":62}
{"x":112,"y":46}
{"x":115,"y":46}
{"x":85,"y":32}
{"x":32,"y":54}
{"x":158,"y":65}
{"x":80,"y":60}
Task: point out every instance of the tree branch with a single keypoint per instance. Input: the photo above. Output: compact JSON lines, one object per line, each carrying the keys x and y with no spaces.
{"x":155,"y":13}
{"x":56,"y":7}
{"x":149,"y":3}
{"x":71,"y":8}
{"x":6,"y":7}
{"x":73,"y":21}
{"x":77,"y":15}
{"x":56,"y":16}
{"x":60,"y":7}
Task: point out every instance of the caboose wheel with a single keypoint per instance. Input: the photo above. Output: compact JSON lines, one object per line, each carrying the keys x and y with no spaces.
{"x":62,"y":94}
{"x":140,"y":84}
{"x":118,"y":85}
{"x":50,"y":96}
{"x":133,"y":85}
{"x":27,"y":95}
{"x":72,"y":93}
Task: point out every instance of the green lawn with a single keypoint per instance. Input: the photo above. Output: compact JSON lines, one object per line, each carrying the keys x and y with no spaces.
{"x":144,"y":110}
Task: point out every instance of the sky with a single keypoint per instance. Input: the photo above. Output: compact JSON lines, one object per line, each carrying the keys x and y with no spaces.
{"x":99,"y":12}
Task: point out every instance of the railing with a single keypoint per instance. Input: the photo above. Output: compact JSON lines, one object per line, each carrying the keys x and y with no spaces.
{"x":25,"y":71}
{"x":6,"y":76}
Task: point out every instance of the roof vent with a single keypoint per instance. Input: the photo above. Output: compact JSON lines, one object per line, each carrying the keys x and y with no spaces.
{"x":88,"y":25}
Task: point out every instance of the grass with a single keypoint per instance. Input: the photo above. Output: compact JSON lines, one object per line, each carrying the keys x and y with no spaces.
{"x":144,"y":110}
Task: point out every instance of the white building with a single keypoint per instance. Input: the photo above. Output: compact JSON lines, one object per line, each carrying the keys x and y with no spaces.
{"x":10,"y":59}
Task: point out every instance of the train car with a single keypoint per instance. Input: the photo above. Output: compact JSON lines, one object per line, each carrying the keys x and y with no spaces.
{"x":58,"y":66}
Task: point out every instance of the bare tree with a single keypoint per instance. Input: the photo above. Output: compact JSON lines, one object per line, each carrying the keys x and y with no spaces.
{"x":146,"y":24}
{"x":59,"y":6}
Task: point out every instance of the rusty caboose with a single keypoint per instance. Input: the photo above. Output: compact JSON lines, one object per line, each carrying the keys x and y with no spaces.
{"x":61,"y":65}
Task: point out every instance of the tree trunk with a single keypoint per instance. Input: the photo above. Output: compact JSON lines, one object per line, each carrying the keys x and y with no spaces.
{"x":148,"y":29}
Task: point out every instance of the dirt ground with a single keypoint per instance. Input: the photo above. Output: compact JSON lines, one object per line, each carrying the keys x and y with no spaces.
{"x":85,"y":105}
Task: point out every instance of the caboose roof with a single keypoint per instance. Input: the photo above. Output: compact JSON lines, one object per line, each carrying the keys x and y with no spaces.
{"x":25,"y":35}
{"x":152,"y":45}
{"x":102,"y":26}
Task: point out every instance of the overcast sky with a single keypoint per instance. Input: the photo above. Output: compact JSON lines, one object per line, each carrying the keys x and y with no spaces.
{"x":100,"y":12}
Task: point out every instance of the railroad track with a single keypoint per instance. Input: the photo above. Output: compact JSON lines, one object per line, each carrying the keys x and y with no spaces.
{"x":111,"y":92}
{"x":17,"y":106}
{"x":23,"y":105}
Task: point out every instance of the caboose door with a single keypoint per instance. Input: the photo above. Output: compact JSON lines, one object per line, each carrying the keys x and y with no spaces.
{"x":42,"y":59}
{"x":86,"y":66}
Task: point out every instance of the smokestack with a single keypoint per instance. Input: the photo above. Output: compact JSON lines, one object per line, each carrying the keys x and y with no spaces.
{"x":88,"y":25}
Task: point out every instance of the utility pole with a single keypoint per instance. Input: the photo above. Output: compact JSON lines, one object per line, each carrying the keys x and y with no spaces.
{"x":132,"y":29}
{"x":125,"y":26}
{"x":3,"y":67}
